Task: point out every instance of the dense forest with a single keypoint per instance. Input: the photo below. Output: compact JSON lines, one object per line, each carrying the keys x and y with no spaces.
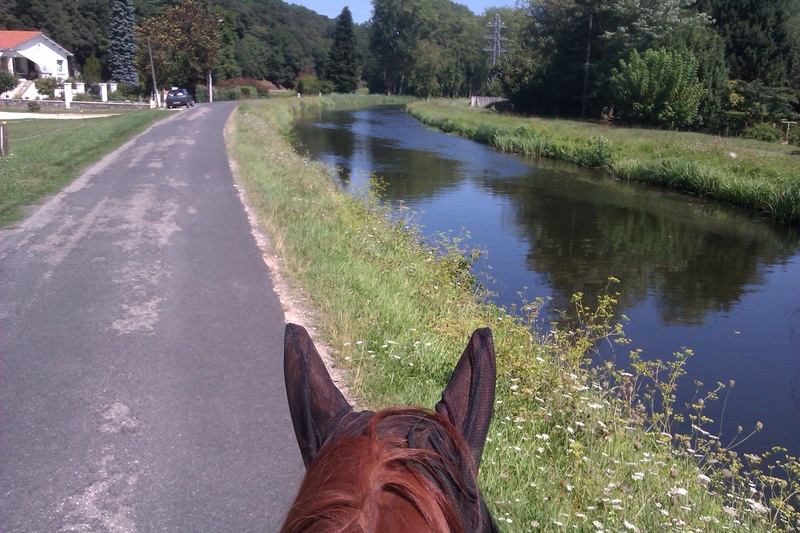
{"x":266,"y":39}
{"x":713,"y":65}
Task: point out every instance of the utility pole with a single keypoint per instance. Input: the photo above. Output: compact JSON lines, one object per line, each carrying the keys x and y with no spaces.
{"x":496,"y":48}
{"x":153,"y":71}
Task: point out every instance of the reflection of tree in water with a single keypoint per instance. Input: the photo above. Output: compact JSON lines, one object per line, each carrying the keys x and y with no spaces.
{"x":339,"y":133}
{"x":691,"y":257}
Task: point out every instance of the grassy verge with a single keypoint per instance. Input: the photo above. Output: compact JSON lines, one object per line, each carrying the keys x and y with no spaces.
{"x":571,"y":448}
{"x":752,"y":174}
{"x":46,"y":155}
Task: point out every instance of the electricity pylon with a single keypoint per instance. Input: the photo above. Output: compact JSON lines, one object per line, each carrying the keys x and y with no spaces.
{"x":496,"y":47}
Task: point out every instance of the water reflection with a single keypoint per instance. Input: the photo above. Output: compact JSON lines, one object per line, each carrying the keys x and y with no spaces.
{"x":692,"y":273}
{"x":692,"y":257}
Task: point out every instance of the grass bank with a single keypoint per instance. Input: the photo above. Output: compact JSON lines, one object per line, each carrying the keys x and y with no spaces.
{"x":46,"y":155}
{"x":570,"y":448}
{"x":752,"y":174}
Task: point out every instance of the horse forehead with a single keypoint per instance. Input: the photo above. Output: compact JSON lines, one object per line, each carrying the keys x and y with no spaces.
{"x":353,"y":423}
{"x":421,"y":432}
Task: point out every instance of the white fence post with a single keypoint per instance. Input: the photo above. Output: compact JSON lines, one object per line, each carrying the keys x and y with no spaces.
{"x":67,"y":95}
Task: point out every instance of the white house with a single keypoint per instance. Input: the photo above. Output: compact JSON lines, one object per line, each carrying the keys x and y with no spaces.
{"x":32,"y":54}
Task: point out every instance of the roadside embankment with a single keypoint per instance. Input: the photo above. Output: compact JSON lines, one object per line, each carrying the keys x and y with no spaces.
{"x":761,"y":176}
{"x":571,"y":447}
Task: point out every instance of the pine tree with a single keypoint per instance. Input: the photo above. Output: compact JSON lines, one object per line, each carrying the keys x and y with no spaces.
{"x":122,"y":43}
{"x":343,"y":60}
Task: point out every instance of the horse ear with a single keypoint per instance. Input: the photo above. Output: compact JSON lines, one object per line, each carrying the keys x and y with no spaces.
{"x":468,"y":399}
{"x":316,"y":404}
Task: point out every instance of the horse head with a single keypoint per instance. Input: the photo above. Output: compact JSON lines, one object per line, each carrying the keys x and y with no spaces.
{"x":400,"y":469}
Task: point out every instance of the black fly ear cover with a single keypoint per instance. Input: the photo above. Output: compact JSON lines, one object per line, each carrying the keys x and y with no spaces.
{"x":315,"y":403}
{"x":468,"y":399}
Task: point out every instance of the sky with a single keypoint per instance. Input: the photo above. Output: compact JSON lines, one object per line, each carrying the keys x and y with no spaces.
{"x":362,"y":9}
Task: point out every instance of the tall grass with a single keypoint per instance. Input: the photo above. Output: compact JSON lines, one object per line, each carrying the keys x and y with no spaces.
{"x":757,"y":175}
{"x":48,"y":154}
{"x":571,"y":448}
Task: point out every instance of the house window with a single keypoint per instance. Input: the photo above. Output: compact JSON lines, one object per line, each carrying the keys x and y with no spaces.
{"x":59,"y":65}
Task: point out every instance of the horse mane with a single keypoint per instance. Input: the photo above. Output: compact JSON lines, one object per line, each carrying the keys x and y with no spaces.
{"x":402,"y":472}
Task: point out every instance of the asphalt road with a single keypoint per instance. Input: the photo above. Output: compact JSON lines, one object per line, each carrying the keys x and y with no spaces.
{"x":141,"y":378}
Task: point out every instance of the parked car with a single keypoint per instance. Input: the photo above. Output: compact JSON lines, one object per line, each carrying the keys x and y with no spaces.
{"x":176,"y":97}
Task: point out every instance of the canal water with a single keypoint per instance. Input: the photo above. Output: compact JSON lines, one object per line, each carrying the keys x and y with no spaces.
{"x":695,"y":274}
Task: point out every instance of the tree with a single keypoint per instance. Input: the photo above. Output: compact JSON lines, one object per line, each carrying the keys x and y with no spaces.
{"x":758,"y":35}
{"x":397,"y":27}
{"x":658,"y":87}
{"x":425,"y":47}
{"x":709,"y":50}
{"x":227,"y":67}
{"x":92,"y":70}
{"x":122,"y":43}
{"x":343,"y":61}
{"x":184,"y":44}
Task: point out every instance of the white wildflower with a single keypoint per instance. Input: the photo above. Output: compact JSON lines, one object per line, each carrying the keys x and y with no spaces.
{"x":757,"y":506}
{"x":677,"y":491}
{"x":630,"y":526}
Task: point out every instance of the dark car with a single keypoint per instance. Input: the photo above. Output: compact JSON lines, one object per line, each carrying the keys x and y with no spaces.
{"x":178,"y":97}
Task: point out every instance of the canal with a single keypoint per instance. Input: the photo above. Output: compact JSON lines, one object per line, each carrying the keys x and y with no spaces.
{"x":695,"y":274}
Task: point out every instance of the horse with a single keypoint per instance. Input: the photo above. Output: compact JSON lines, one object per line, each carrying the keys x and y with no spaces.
{"x":401,"y":469}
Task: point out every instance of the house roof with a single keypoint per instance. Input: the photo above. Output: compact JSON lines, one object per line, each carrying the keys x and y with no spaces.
{"x":16,"y":38}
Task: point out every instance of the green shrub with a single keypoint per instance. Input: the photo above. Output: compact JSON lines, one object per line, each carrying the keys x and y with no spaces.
{"x":8,"y":81}
{"x":126,"y":93}
{"x":485,"y":133}
{"x":129,"y":91}
{"x":228,"y":94}
{"x":595,"y":152}
{"x":312,"y":85}
{"x":34,"y":106}
{"x":201,"y":95}
{"x":763,"y":132}
{"x":46,"y":86}
{"x":248,"y":92}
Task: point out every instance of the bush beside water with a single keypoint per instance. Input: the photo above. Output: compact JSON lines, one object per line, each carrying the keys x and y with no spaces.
{"x":572,"y":446}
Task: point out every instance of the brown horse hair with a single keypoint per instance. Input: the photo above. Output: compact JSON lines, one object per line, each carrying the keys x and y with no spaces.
{"x":374,"y":482}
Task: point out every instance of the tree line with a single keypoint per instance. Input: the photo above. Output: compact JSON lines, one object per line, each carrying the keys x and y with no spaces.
{"x":714,"y":65}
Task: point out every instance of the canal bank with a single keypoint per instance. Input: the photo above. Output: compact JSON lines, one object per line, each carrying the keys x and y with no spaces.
{"x":564,"y":450}
{"x":763,"y":177}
